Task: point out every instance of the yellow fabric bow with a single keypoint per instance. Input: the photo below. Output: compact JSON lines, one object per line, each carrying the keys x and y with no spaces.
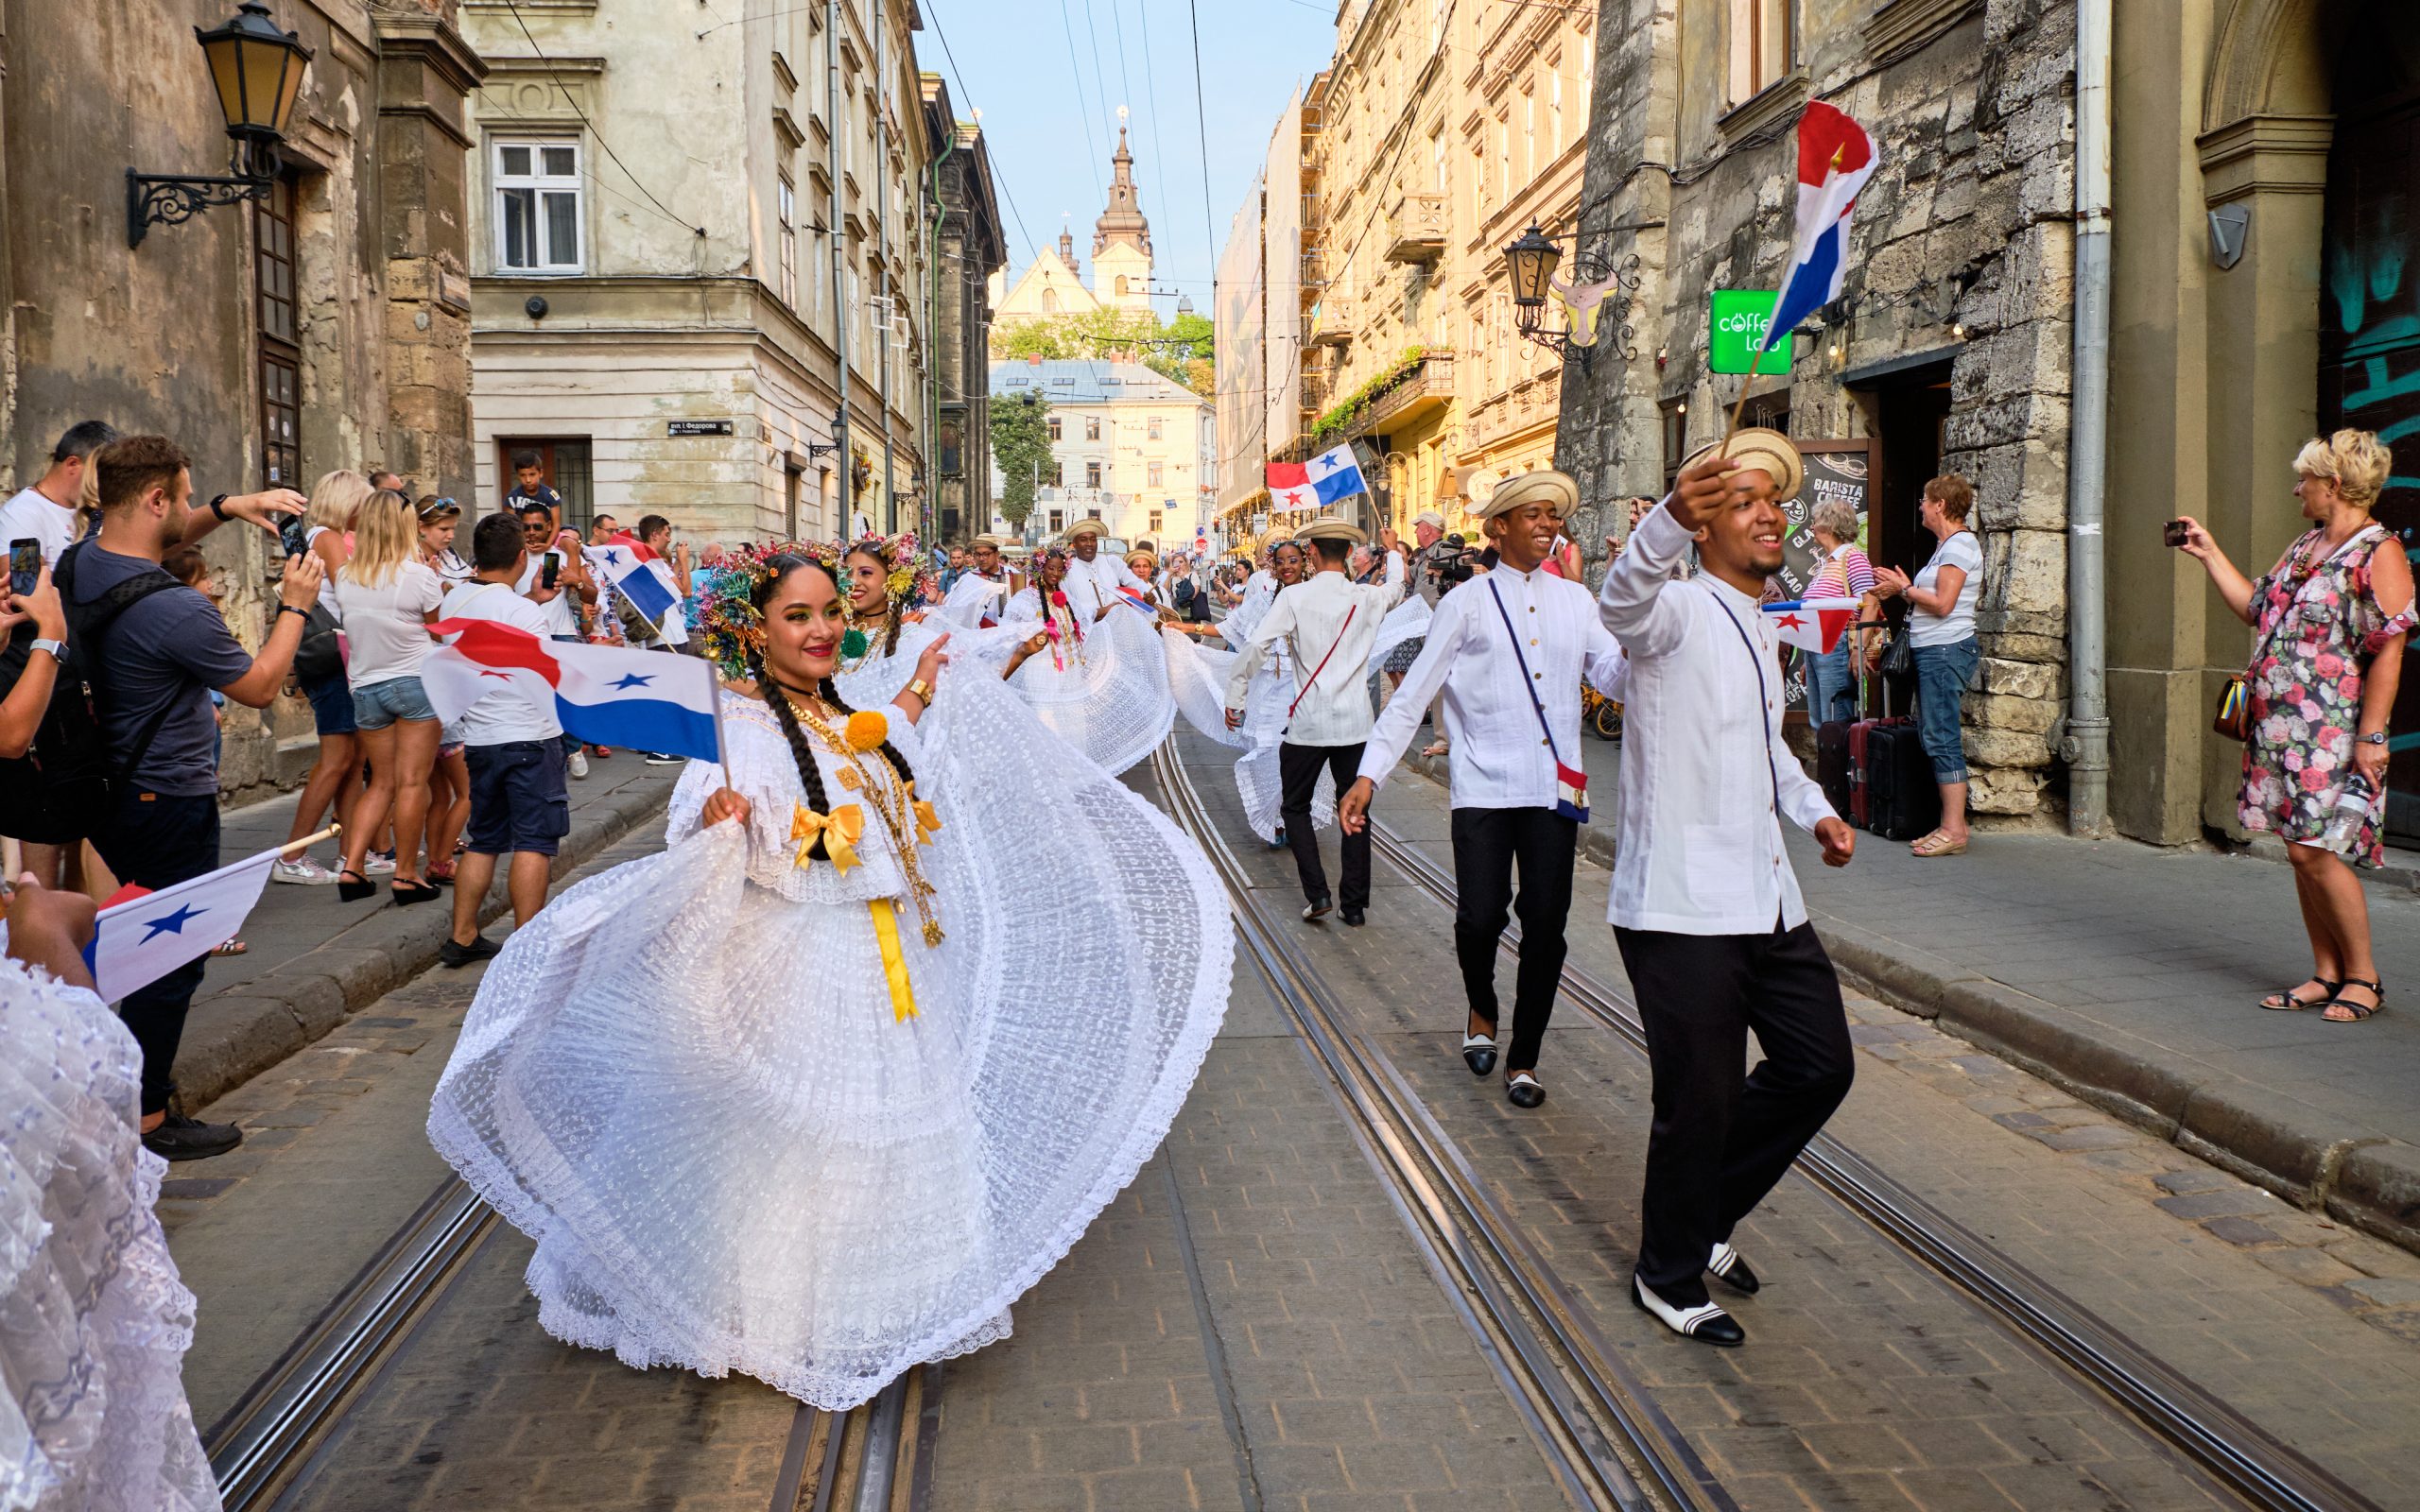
{"x":842,"y":830}
{"x":928,"y":821}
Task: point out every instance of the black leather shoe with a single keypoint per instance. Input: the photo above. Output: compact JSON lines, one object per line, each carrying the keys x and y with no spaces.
{"x":451,"y":956}
{"x":1319,"y":908}
{"x":1356,"y":917}
{"x":1727,"y":1267}
{"x":180,"y":1138}
{"x":1705,"y":1322}
{"x":1478,"y":1052}
{"x":1524,"y":1090}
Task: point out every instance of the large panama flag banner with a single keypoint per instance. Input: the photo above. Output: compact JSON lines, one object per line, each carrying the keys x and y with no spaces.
{"x":601,"y":694}
{"x":1835,"y":158}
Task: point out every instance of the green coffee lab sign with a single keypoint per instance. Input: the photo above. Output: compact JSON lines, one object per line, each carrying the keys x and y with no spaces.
{"x":1736,"y":321}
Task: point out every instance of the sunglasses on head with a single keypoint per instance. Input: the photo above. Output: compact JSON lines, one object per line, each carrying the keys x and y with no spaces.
{"x":436,"y":507}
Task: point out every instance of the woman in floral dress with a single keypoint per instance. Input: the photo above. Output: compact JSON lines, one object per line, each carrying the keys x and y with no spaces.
{"x":2330,"y":620}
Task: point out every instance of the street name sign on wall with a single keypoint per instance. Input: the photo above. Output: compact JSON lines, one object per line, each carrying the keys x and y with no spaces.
{"x":1736,"y":320}
{"x":699,"y":427}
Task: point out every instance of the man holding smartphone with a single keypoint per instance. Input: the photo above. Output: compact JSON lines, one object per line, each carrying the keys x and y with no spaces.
{"x":556,"y":578}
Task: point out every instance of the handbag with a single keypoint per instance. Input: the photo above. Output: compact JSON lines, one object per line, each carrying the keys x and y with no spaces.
{"x":1898,"y":659}
{"x":319,"y":657}
{"x":1570,"y":783}
{"x":2233,"y":715}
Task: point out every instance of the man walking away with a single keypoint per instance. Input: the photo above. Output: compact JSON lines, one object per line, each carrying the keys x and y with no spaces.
{"x":1521,"y":628}
{"x":1328,"y":626}
{"x":46,"y":511}
{"x":1705,"y":906}
{"x":153,"y":650}
{"x":519,"y":805}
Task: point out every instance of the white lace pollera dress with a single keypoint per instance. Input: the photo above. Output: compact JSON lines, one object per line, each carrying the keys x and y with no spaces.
{"x":685,"y":1079}
{"x":1109,"y":696}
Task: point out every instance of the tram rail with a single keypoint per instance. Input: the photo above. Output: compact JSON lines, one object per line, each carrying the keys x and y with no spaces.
{"x":2238,"y":1452}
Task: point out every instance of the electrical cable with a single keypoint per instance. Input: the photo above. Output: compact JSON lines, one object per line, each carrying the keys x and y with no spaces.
{"x":573,"y":100}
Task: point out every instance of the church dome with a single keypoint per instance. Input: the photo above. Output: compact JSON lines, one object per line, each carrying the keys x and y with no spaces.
{"x":1123,"y":220}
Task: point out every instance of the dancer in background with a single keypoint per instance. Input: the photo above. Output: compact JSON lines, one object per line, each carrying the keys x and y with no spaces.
{"x":1101,"y":682}
{"x":1705,"y":906}
{"x":980,"y":595}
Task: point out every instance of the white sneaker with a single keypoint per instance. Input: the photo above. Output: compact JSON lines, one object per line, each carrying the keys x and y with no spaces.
{"x":379,"y":864}
{"x":301,"y":869}
{"x":579,"y":762}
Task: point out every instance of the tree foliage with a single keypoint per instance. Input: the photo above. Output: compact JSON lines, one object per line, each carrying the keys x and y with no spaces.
{"x":1020,"y":443}
{"x":1180,"y":350}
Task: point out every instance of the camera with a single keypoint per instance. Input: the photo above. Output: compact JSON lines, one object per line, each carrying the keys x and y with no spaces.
{"x":1449,"y":563}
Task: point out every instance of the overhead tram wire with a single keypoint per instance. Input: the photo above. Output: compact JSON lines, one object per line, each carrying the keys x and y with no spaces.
{"x":573,"y":100}
{"x":1202,"y":134}
{"x":999,"y":179}
{"x":1151,"y":93}
{"x":1100,"y":87}
{"x":1084,"y":112}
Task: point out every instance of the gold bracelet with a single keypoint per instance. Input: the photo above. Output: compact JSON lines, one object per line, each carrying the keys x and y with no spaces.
{"x":923,"y":690}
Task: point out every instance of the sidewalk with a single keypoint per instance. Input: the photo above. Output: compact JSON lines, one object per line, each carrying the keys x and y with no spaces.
{"x":2129,"y":974}
{"x":314,"y":960}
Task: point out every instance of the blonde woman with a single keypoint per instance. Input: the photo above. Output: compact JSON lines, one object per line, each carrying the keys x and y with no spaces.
{"x":327,"y":527}
{"x":2330,"y":621}
{"x":388,"y":596}
{"x":1941,"y":630}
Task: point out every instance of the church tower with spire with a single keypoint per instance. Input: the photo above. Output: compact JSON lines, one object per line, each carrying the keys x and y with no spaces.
{"x":1122,"y":238}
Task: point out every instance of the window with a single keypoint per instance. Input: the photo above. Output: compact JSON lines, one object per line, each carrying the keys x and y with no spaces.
{"x":1121,"y":283}
{"x":1676,"y":438}
{"x":1154,"y":428}
{"x":1053,"y":423}
{"x":1503,"y":158}
{"x":788,"y":206}
{"x":281,"y":372}
{"x":1154,"y":527}
{"x":1151,"y":477}
{"x":1761,"y":45}
{"x":1058,"y":521}
{"x":1529,"y":135}
{"x":1554,"y":106}
{"x":1437,"y":161}
{"x":1050,"y":301}
{"x":1092,"y":474}
{"x":537,"y":206}
{"x":1092,"y":428}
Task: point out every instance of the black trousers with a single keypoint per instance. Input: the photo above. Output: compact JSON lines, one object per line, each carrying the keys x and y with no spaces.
{"x":1717,"y":1143}
{"x":1488,"y":844}
{"x":1298,"y":775}
{"x":158,"y":840}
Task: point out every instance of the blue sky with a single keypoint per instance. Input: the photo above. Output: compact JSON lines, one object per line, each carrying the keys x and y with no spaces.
{"x":1052,"y":122}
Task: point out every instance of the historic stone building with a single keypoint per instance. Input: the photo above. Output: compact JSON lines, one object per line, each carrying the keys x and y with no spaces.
{"x":1950,"y":349}
{"x":324,"y":324}
{"x":1131,"y":448}
{"x":1053,"y":283}
{"x":689,"y":243}
{"x":968,"y":246}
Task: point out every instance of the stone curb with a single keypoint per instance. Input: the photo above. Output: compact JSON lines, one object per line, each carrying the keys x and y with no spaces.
{"x":234,"y":1036}
{"x":2308,"y":1157}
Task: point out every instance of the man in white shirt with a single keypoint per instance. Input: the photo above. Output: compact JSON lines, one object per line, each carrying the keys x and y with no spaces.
{"x":1508,"y":656}
{"x":1093,"y":579}
{"x":518,"y":802}
{"x":981,"y":593}
{"x":46,"y":511}
{"x":1705,"y":906}
{"x":1327,"y":626}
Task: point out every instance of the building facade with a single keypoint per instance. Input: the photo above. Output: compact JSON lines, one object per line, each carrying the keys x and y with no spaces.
{"x":1950,"y":349}
{"x":701,"y":257}
{"x":1132,"y":449}
{"x":968,"y":246}
{"x":1053,"y":284}
{"x":322,"y":325}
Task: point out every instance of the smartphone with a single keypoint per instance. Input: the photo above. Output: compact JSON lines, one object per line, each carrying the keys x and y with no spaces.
{"x":2176,"y":533}
{"x":551,"y":569}
{"x":25,"y":564}
{"x":293,"y":535}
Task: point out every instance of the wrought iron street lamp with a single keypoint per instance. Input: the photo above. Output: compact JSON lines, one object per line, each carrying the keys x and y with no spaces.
{"x":1596,"y":300}
{"x":257,"y":72}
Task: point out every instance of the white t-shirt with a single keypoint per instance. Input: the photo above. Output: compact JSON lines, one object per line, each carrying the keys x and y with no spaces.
{"x":506,"y":714}
{"x":561,"y":618}
{"x":385,"y":633}
{"x":32,"y":513}
{"x":327,"y":583}
{"x":676,"y":626}
{"x":1963,"y":549}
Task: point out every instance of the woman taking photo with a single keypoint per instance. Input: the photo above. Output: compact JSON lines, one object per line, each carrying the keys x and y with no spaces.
{"x":1941,"y":631}
{"x":388,"y":596}
{"x":2329,"y":623}
{"x":328,"y":527}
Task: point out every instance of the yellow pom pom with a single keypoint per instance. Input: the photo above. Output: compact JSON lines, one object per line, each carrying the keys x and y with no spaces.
{"x":866,"y":730}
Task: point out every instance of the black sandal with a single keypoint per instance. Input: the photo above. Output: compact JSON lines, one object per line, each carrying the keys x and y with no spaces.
{"x":413,"y":892}
{"x":2284,"y":1001}
{"x":2357,"y":1010}
{"x":355,"y":890}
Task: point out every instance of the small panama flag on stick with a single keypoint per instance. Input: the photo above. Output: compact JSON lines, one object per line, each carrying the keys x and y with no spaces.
{"x":1813,"y":624}
{"x":1835,"y":158}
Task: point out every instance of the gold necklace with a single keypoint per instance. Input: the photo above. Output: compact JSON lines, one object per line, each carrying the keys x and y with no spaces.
{"x":893,"y":804}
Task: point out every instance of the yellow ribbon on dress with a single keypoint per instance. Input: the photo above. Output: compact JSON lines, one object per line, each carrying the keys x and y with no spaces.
{"x":929,"y":822}
{"x":841,"y":830}
{"x":894,"y":963}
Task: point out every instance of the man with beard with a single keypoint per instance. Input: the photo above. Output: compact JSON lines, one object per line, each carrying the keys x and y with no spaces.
{"x":1518,"y":628}
{"x":1705,"y":906}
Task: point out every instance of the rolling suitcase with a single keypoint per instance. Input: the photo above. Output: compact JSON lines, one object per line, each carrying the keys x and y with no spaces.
{"x":1832,"y":769}
{"x":1902,"y":800}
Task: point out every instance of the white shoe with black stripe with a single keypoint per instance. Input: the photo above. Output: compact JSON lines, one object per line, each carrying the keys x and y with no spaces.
{"x":1727,"y":1267}
{"x":1705,"y":1322}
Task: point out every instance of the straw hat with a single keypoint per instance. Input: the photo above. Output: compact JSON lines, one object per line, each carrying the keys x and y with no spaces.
{"x":1766,"y":450}
{"x":1330,"y":528}
{"x":1086,"y":528}
{"x":1559,"y":491}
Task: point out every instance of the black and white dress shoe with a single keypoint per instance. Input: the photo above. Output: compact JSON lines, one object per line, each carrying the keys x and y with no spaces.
{"x":1524,"y":1090}
{"x":1319,"y":908}
{"x":1478,"y":1052}
{"x":1730,"y":1269}
{"x":1706,"y":1323}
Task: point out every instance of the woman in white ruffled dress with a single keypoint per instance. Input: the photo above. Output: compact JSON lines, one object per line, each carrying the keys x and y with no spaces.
{"x":93,"y":1322}
{"x":1101,"y":682}
{"x":807,"y":1095}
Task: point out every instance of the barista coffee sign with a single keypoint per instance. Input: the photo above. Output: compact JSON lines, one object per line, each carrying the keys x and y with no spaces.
{"x":1736,"y":324}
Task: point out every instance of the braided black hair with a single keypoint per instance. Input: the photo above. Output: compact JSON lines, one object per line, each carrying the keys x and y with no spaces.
{"x":892,"y":619}
{"x":811,"y":773}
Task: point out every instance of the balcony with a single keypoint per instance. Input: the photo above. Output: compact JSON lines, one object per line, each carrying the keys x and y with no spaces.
{"x":1416,"y":229}
{"x":1334,"y":325}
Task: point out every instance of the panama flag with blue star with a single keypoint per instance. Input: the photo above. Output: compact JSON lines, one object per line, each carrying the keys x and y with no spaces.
{"x":601,"y":694}
{"x":141,"y":938}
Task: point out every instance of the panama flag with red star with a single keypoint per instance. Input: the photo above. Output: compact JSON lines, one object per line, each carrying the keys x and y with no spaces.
{"x":1812,"y":625}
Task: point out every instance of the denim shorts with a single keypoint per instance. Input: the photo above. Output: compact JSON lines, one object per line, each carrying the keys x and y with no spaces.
{"x":331,"y":706}
{"x":518,"y":799}
{"x":1943,"y":674}
{"x":382,"y":703}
